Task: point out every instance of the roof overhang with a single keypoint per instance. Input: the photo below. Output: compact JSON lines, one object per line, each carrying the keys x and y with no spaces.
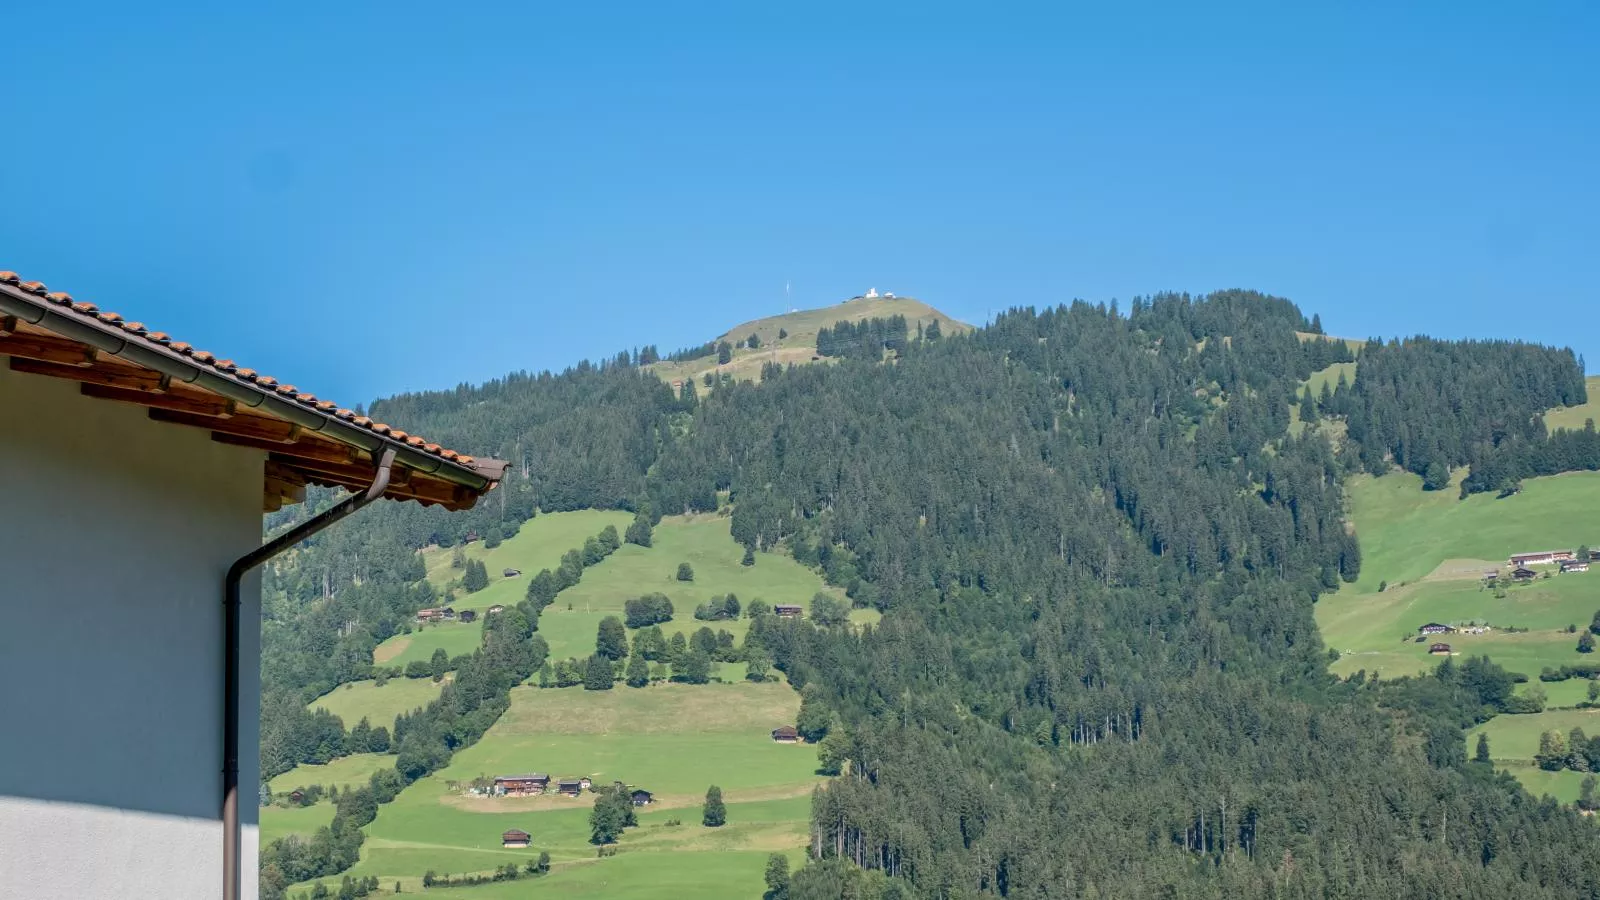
{"x":307,"y":440}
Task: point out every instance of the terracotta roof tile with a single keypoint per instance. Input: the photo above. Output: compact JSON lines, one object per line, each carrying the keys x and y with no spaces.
{"x":229,"y":367}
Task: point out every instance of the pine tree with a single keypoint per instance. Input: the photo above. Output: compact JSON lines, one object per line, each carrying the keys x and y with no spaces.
{"x":724,"y":353}
{"x":638,"y":673}
{"x":777,"y":877}
{"x":1552,"y":755}
{"x":609,"y":539}
{"x":639,"y":532}
{"x":476,"y":577}
{"x":1482,"y":753}
{"x":611,"y":641}
{"x":749,"y":557}
{"x":714,"y":814}
{"x":598,"y":674}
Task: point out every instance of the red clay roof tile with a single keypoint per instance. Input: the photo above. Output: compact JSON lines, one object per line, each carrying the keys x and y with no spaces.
{"x":228,"y":366}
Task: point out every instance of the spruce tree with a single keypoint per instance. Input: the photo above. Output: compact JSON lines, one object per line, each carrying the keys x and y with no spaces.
{"x":714,"y":814}
{"x":777,"y":877}
{"x":611,"y":641}
{"x":1481,"y":754}
{"x":638,"y":673}
{"x":598,"y":674}
{"x":639,"y":531}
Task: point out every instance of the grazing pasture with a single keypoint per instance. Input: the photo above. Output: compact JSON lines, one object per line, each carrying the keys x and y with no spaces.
{"x":671,"y":739}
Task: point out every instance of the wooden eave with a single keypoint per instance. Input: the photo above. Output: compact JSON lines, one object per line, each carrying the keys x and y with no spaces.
{"x":295,"y":457}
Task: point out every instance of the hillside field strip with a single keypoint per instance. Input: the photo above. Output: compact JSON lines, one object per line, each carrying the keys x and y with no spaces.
{"x":379,"y":705}
{"x":1432,"y":549}
{"x":673,"y":740}
{"x":705,"y":543}
{"x":538,"y":544}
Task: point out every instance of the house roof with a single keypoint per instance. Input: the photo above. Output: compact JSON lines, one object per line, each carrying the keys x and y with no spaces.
{"x":308,"y":439}
{"x":514,"y":832}
{"x":531,"y":776}
{"x":785,"y":729}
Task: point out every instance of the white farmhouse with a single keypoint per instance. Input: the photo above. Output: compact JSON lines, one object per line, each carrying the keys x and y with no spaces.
{"x":134,"y":469}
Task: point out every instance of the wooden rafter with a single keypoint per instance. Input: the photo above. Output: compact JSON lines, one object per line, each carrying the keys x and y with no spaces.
{"x":242,"y":424}
{"x":199,"y":403}
{"x":406,"y":484}
{"x":100,"y":373}
{"x":8,"y":326}
{"x":307,"y":447}
{"x":46,"y":348}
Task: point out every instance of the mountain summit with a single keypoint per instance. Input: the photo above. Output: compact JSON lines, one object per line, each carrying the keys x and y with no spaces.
{"x":792,"y":336}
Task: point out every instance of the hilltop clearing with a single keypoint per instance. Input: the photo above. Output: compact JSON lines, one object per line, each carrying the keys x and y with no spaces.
{"x":798,"y":343}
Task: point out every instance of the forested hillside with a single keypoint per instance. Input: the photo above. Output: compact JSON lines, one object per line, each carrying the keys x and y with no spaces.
{"x":1096,"y":543}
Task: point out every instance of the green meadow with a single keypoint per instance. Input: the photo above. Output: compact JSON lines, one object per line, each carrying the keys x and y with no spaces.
{"x":379,"y":705}
{"x":1429,"y":550}
{"x":1573,"y":417}
{"x":1513,"y":740}
{"x":346,"y":771}
{"x":278,"y":822}
{"x":673,"y":740}
{"x":537,"y":545}
{"x":705,"y":542}
{"x":456,"y":638}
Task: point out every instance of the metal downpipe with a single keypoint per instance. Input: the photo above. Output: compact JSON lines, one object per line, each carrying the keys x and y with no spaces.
{"x":230,"y":690}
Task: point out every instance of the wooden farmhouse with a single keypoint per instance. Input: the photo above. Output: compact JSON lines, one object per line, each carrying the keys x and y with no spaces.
{"x":1574,"y":565}
{"x":1522,"y":574}
{"x":430,"y":615}
{"x":515,"y":839}
{"x":785,"y":734}
{"x":1439,"y":649}
{"x":1435,"y":628}
{"x":572,"y":787}
{"x":788,"y":611}
{"x":643,"y":798}
{"x":137,"y":468}
{"x":1542,"y":557}
{"x":521,"y":785}
{"x":512,"y":573}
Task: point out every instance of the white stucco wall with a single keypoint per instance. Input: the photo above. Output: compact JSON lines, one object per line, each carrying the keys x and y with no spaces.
{"x":115,"y":534}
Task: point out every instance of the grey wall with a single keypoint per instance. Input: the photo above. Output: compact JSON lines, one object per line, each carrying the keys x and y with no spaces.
{"x":115,"y":534}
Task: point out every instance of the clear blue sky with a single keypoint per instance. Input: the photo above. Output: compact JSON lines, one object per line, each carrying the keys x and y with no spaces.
{"x":373,"y":198}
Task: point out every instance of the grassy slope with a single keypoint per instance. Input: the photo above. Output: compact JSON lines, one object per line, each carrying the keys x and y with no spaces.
{"x":277,"y":822}
{"x":670,"y":739}
{"x":1431,"y":548}
{"x":537,"y":545}
{"x":801,"y":343}
{"x":455,"y":637}
{"x":1513,"y":740}
{"x":354,"y":769}
{"x":378,"y":704}
{"x":705,"y":543}
{"x":1573,"y":417}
